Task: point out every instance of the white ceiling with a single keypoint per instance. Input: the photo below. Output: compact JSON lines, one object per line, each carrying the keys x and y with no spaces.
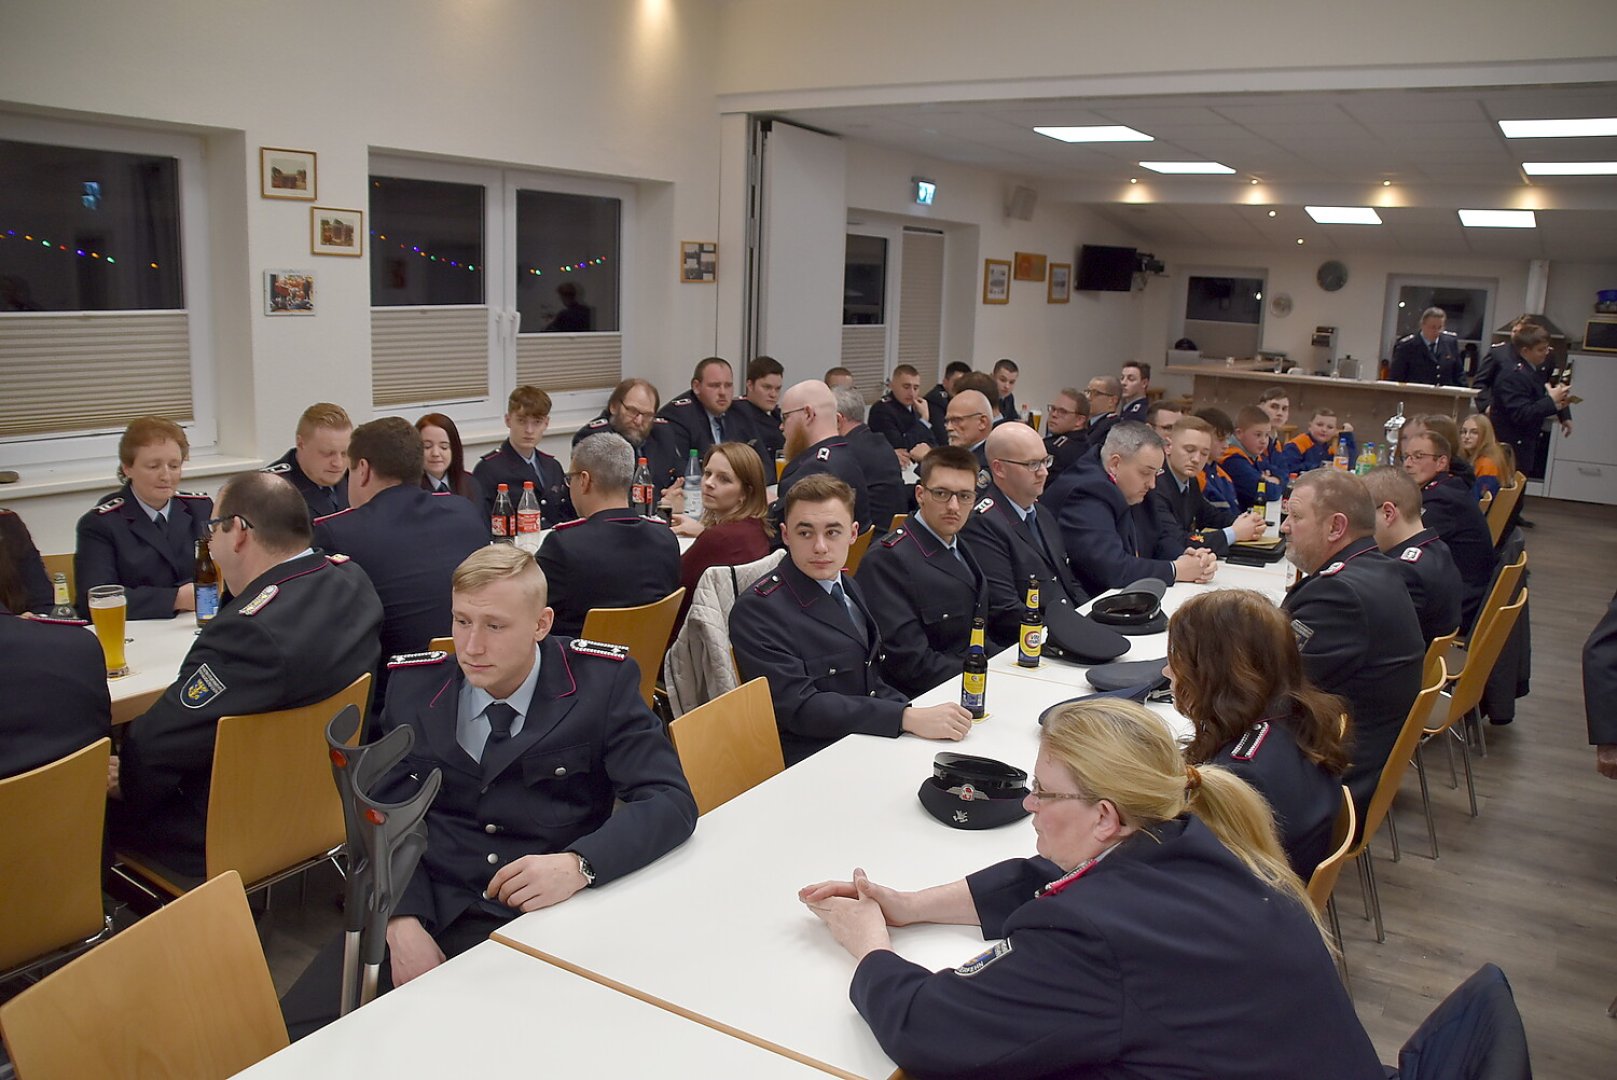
{"x":1441,"y":148}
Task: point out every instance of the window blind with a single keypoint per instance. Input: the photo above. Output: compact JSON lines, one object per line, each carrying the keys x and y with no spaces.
{"x":556,"y":362}
{"x":421,"y":354}
{"x":864,"y":352}
{"x":920,"y":304}
{"x":91,"y":371}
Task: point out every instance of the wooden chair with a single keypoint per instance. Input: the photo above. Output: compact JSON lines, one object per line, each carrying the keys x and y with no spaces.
{"x":1503,"y":505}
{"x":184,"y":992}
{"x":50,"y":848}
{"x":443,"y":644}
{"x":857,"y":549}
{"x":273,"y":810}
{"x":729,"y":745}
{"x":1436,"y":653}
{"x":1464,"y":701}
{"x":646,"y":630}
{"x":898,"y":519}
{"x":1322,"y":882}
{"x":61,"y":564}
{"x":1502,"y":592}
{"x":1392,"y":774}
{"x":1484,"y":502}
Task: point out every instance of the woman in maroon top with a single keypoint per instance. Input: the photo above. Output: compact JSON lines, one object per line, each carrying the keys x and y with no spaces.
{"x":733,"y":528}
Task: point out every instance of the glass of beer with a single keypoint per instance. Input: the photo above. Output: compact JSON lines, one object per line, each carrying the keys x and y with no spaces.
{"x":780,"y":467}
{"x":108,"y":605}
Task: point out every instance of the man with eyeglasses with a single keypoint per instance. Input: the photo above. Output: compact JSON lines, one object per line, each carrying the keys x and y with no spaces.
{"x":1067,"y":424}
{"x":923,"y":582}
{"x":610,"y":557}
{"x":969,"y":419}
{"x":631,"y":412}
{"x":1104,"y":392}
{"x":1449,"y":509}
{"x":300,"y":627}
{"x":937,"y":399}
{"x":1111,"y":540}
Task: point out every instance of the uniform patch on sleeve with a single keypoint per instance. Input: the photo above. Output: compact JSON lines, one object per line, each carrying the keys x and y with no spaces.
{"x":257,"y":603}
{"x":1411,"y":554}
{"x":982,"y":478}
{"x":201,"y":688}
{"x":977,"y":963}
{"x":603,"y":649}
{"x":1302,"y":631}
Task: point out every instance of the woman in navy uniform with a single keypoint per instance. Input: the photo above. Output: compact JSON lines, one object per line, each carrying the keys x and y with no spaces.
{"x":444,"y":460}
{"x":144,"y":536}
{"x":1237,"y":675}
{"x":1159,"y":932}
{"x":17,"y":543}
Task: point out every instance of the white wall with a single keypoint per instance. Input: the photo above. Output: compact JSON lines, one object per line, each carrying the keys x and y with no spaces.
{"x":1570,"y":301}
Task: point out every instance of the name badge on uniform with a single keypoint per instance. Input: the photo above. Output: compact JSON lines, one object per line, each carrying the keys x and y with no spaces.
{"x":201,"y":688}
{"x":983,"y":959}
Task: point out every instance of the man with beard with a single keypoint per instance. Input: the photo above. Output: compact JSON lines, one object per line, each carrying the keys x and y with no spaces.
{"x":808,"y":415}
{"x":631,"y":412}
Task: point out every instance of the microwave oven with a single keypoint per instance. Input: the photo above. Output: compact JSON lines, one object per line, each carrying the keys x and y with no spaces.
{"x":1600,"y":334}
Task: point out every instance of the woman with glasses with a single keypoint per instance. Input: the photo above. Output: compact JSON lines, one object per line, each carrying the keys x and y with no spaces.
{"x":143,"y":536}
{"x":1158,"y":932}
{"x":734,"y":526}
{"x":1237,"y":675}
{"x":444,"y":459}
{"x":1490,"y":462}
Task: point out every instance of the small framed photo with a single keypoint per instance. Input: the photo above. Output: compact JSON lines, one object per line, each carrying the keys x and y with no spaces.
{"x":996,"y":281}
{"x":286,"y":174}
{"x":288,"y":292}
{"x":698,"y":262}
{"x":336,"y":232}
{"x":1060,"y":288}
{"x":1029,"y":267}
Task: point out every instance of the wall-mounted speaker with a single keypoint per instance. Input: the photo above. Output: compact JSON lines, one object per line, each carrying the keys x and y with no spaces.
{"x":1020,"y":203}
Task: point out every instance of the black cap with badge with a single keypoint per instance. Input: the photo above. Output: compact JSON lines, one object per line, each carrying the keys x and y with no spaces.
{"x":970,"y":792}
{"x":1135,"y":609}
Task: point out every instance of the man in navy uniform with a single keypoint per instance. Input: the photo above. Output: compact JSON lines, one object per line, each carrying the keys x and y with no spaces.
{"x":1600,"y":688}
{"x":937,"y":399}
{"x":519,"y":460}
{"x":704,"y":416}
{"x":631,"y":412}
{"x":1066,"y":429}
{"x":924,"y":585}
{"x":1182,"y":512}
{"x":1110,"y":538}
{"x":1423,"y":558}
{"x":318,"y":461}
{"x":1521,"y":403}
{"x":1013,"y":538}
{"x":808,"y":629}
{"x":901,"y":417}
{"x":537,"y":738}
{"x":1005,"y":375}
{"x":1355,"y":623}
{"x":406,"y":540}
{"x":301,"y":626}
{"x":1105,"y":393}
{"x":1449,"y":509}
{"x":759,"y":407}
{"x":1430,"y":356}
{"x":1134,"y":383}
{"x":969,"y":418}
{"x":610,"y":556}
{"x":884,"y":479}
{"x":809,"y":420}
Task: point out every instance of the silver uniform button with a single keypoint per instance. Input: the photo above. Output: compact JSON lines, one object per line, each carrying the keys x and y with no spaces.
{"x":833,"y":671}
{"x":561,"y":770}
{"x":491,"y":829}
{"x":493,"y":858}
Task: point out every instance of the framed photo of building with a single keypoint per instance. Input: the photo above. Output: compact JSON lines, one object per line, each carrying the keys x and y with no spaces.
{"x":1060,"y":287}
{"x":1029,"y":267}
{"x":996,"y":281}
{"x":288,"y":292}
{"x":286,"y":174}
{"x":698,"y":262}
{"x":336,"y":232}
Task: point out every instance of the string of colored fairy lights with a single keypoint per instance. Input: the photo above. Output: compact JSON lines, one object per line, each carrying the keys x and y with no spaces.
{"x":424,"y":253}
{"x":70,"y":249}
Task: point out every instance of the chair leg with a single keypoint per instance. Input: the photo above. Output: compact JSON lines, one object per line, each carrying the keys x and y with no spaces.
{"x":1470,"y":779}
{"x":1454,"y":777}
{"x":1426,"y":801}
{"x":1341,"y":949}
{"x":1392,"y":831}
{"x":1375,"y":895}
{"x":1364,"y":887}
{"x":1611,"y":1010}
{"x":1476,"y":723}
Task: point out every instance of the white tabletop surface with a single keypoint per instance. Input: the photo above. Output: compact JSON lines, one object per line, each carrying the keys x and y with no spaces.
{"x":155,"y":648}
{"x":493,"y":1011}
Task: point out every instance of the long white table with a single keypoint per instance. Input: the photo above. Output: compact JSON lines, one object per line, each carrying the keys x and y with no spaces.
{"x":492,"y":1011}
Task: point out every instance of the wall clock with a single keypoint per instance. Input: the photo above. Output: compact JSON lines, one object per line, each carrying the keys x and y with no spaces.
{"x":1331,"y":275}
{"x":1280,"y":305}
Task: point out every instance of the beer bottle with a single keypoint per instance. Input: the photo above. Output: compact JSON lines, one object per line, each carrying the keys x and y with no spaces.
{"x":206,"y":584}
{"x":61,"y":600}
{"x":1030,"y":642}
{"x":503,"y":522}
{"x":974,"y":679}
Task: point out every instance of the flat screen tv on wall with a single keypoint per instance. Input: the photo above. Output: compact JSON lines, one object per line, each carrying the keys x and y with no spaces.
{"x":1105,"y":269}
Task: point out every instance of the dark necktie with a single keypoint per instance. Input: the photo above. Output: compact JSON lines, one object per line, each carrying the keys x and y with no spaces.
{"x":499,"y":716}
{"x":1032,"y":521}
{"x":161,"y":521}
{"x":848,"y":609}
{"x":718,"y":428}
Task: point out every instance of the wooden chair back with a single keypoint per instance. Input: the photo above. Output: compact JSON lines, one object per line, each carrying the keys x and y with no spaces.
{"x":183,"y":992}
{"x":646,"y":630}
{"x":1322,"y":882}
{"x":1503,"y":590}
{"x":1503,"y":505}
{"x":729,"y":745}
{"x":1392,"y":773}
{"x":857,"y":549}
{"x":50,"y":848}
{"x":443,"y":644}
{"x":1484,"y":502}
{"x":1435,"y":654}
{"x":898,"y":519}
{"x":1493,"y":630}
{"x":61,"y":564}
{"x":272,"y":805}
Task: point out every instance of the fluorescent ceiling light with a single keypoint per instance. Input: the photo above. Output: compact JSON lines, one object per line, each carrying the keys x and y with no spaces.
{"x":1104,"y":133}
{"x":1343,"y":215}
{"x":1188,"y":168}
{"x":1498,"y":219}
{"x":1587,"y":127}
{"x":1570,"y":168}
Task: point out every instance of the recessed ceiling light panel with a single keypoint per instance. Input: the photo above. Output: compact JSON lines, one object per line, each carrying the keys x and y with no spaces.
{"x":1344,"y":215}
{"x":1104,"y":133}
{"x":1585,"y":128}
{"x":1570,"y":168}
{"x":1498,"y":219}
{"x":1188,"y":168}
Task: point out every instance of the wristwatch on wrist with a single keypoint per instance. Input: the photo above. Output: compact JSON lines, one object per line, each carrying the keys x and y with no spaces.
{"x":586,"y":869}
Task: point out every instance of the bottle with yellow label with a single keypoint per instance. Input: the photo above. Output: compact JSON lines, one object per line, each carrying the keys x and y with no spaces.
{"x":1030,"y":643}
{"x":974,"y":679}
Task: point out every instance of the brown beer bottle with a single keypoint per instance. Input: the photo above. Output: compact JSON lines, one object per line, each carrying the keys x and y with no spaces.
{"x":206,"y":579}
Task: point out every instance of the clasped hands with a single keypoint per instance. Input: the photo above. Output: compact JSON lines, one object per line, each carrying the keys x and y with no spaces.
{"x":858,"y":912}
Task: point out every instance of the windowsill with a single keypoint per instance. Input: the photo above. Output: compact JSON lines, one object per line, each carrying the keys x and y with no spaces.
{"x":96,"y":476}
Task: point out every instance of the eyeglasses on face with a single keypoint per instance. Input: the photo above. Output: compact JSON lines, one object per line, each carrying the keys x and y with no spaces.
{"x":1057,"y":410}
{"x":218,"y":523}
{"x":1417,"y":455}
{"x":789,"y":412}
{"x":945,"y":496}
{"x":956,"y":421}
{"x":1036,"y":465}
{"x":636,"y":414}
{"x":1043,"y":796}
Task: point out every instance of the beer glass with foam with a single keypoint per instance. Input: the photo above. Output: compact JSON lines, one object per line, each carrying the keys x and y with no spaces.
{"x":108,"y":606}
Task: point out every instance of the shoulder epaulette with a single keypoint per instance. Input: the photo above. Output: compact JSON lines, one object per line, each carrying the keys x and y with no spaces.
{"x":259,"y":602}
{"x":767,"y":585}
{"x":1248,"y":747}
{"x":334,"y":514}
{"x":680,"y":402}
{"x":491,"y":455}
{"x":60,"y":622}
{"x":893,"y":538}
{"x":1412,"y":554}
{"x":110,"y":505}
{"x":1060,"y":440}
{"x":279,"y":468}
{"x":985,"y":505}
{"x":417,"y":659}
{"x":193,"y":495}
{"x":599,"y":422}
{"x":337,"y":559}
{"x":1334,"y":568}
{"x":659,"y":419}
{"x":823,"y":454}
{"x":570,"y":524}
{"x":603,"y":649}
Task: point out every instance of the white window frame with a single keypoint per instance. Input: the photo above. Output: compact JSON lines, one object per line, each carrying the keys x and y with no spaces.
{"x":1182,"y":277}
{"x":202,"y":430}
{"x":1396,"y":283}
{"x":892,"y":291}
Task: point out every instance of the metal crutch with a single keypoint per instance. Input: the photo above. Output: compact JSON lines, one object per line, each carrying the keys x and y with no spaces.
{"x":395,"y":837}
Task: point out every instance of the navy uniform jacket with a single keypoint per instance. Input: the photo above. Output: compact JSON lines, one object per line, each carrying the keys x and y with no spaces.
{"x":1449,"y":509}
{"x":1066,"y":449}
{"x":662,"y":456}
{"x":56,"y":698}
{"x":298,"y":633}
{"x":320,"y":500}
{"x":1495,"y":362}
{"x":937,"y":403}
{"x":1148,"y":964}
{"x":924,"y":600}
{"x":119,"y":545}
{"x":834,"y":456}
{"x":18,"y":544}
{"x":1360,"y":638}
{"x":587,"y":739}
{"x":468,"y":489}
{"x":613,"y":558}
{"x":823,"y":674}
{"x":408,"y":543}
{"x":884,"y":476}
{"x":1008,"y":554}
{"x":506,"y":466}
{"x":1008,"y":409}
{"x":1413,"y":361}
{"x":693,"y":429}
{"x":1181,"y":515}
{"x":900,"y":425}
{"x":1305,"y":796}
{"x":1134,"y":410}
{"x":1600,"y":678}
{"x":1109,"y":544}
{"x":1433,"y":582}
{"x":1098,"y":427}
{"x":765,"y":432}
{"x":1520,"y":407}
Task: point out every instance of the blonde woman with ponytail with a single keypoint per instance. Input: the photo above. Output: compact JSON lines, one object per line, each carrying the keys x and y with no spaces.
{"x":1159,"y":932}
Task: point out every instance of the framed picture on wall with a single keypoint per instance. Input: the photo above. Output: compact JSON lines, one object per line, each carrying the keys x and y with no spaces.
{"x":1060,"y":288}
{"x":288,"y":292}
{"x":336,"y":232}
{"x":286,"y":174}
{"x":698,"y":262}
{"x":1029,"y":267}
{"x":996,"y":281}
